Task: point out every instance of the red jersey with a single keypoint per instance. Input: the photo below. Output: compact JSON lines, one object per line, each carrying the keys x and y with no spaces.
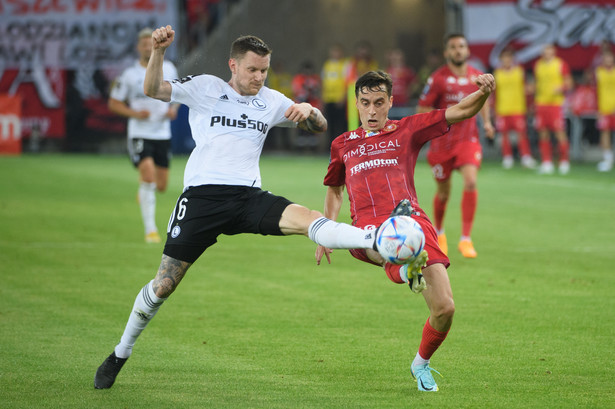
{"x":378,"y":167}
{"x":443,"y":90}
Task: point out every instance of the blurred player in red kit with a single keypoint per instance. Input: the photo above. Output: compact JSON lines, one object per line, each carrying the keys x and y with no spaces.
{"x":376,"y":164}
{"x":460,"y":149}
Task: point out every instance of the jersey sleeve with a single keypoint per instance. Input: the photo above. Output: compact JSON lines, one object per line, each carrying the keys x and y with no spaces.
{"x":336,"y":172}
{"x":427,"y":126}
{"x":120,"y":88}
{"x":282,"y":104}
{"x":191,"y":89}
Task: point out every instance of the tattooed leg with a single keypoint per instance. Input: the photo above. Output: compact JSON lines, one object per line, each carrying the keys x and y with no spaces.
{"x":149,"y":300}
{"x":170,"y":273}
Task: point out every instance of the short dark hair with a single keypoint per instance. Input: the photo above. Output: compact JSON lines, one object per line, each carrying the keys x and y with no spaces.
{"x":373,"y":80}
{"x":448,"y":37}
{"x":249,"y":43}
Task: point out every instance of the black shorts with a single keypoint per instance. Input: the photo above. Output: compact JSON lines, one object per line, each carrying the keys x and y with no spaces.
{"x":202,"y":213}
{"x":159,"y":150}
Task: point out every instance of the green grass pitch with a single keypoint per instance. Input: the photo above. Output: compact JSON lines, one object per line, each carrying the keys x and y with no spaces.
{"x":256,"y":324}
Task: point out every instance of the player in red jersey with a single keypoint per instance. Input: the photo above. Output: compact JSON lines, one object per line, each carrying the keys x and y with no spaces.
{"x":376,"y":164}
{"x":461,"y":148}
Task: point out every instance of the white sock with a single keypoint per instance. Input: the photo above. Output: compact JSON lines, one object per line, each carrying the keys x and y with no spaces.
{"x":336,"y":235}
{"x":147,"y":201}
{"x":607,"y":155}
{"x":418,"y":360}
{"x":403,"y":273}
{"x":145,"y":307}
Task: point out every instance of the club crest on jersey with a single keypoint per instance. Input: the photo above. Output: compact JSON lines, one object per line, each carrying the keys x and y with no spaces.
{"x":243,"y":123}
{"x":390,"y":127}
{"x":259,"y":104}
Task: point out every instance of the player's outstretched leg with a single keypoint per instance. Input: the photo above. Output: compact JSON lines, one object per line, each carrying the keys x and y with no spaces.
{"x":107,"y":372}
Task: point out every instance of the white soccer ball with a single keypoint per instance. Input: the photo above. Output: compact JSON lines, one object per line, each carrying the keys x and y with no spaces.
{"x":400,"y":239}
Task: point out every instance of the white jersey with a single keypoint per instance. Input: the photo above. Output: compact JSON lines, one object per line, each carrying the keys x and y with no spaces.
{"x":128,"y":87}
{"x":229,"y":129}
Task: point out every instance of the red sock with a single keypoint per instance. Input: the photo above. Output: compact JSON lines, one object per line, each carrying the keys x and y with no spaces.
{"x":545,"y":150}
{"x":564,"y":151}
{"x":439,"y":207}
{"x":468,"y":209}
{"x":524,"y":145}
{"x":392,"y":271}
{"x":506,"y":148}
{"x":431,"y":340}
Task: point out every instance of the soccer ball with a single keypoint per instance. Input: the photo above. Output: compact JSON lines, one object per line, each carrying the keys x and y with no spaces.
{"x":400,"y":239}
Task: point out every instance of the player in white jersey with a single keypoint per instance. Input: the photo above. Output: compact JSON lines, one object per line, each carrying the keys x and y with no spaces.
{"x":222,"y":195}
{"x":149,"y":130}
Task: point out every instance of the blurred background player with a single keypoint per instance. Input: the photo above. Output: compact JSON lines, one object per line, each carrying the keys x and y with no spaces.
{"x":361,"y":62}
{"x":149,"y":130}
{"x":333,"y":75}
{"x":552,"y":80}
{"x":403,"y":78}
{"x":372,"y":201}
{"x":510,"y":109}
{"x":605,"y":88}
{"x":460,"y":149}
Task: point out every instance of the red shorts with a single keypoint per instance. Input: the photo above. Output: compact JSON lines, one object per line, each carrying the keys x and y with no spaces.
{"x":443,"y":163}
{"x":550,"y":118}
{"x":511,"y":123}
{"x":606,"y":122}
{"x":431,"y":241}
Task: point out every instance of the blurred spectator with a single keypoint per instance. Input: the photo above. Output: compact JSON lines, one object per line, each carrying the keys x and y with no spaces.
{"x":552,"y":81}
{"x":306,"y":85}
{"x":403,"y":78}
{"x":280,"y":79}
{"x":202,"y":16}
{"x":510,"y":109}
{"x":362,"y":62}
{"x":605,"y":46}
{"x":605,"y":84}
{"x":307,"y":88}
{"x":334,"y":91}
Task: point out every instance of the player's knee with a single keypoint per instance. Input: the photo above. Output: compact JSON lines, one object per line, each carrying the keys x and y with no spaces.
{"x":445,"y":310}
{"x":314,"y":214}
{"x":469,"y":185}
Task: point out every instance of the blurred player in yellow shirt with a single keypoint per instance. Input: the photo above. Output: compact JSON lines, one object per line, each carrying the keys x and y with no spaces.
{"x":605,"y":85}
{"x":510,"y":109}
{"x":553,"y":79}
{"x":333,"y":76}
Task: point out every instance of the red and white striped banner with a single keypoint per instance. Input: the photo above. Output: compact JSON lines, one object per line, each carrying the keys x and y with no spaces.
{"x":576,"y":27}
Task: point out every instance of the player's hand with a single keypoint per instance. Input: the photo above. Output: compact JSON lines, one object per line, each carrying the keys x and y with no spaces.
{"x":489,"y":130}
{"x":163,"y":37}
{"x":486,"y":83}
{"x":142,"y":114}
{"x":298,"y":112}
{"x":320,"y":251}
